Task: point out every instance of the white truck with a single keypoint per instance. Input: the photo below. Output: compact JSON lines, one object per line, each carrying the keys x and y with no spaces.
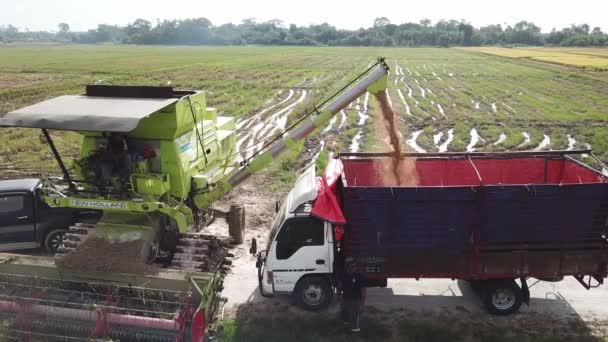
{"x":299,"y":257}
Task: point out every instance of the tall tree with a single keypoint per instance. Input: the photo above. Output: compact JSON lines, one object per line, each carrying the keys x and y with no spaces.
{"x":425,"y":22}
{"x":524,"y":32}
{"x":63,"y":28}
{"x":139,"y":32}
{"x":194,"y":31}
{"x":491,"y":35}
{"x":381,"y":22}
{"x":467,"y":34}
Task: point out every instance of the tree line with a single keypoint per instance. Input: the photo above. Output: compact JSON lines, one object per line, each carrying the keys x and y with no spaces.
{"x":200,"y":31}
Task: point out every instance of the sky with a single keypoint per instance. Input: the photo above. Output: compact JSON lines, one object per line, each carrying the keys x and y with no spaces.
{"x":349,"y":14}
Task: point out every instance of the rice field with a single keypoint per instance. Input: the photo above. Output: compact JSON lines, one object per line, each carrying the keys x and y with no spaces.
{"x":445,"y":99}
{"x":593,"y":58}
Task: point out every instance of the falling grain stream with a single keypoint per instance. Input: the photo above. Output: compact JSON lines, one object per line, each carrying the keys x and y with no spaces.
{"x":396,"y":171}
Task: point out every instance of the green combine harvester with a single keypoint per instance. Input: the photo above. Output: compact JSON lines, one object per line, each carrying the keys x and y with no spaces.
{"x":153,"y":160}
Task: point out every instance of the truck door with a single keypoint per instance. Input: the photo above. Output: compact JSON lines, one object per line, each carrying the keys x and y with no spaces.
{"x":301,"y":248}
{"x":17,"y":222}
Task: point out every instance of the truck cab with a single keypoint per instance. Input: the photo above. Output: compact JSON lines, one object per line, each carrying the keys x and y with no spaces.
{"x":26,"y":222}
{"x":299,"y":256}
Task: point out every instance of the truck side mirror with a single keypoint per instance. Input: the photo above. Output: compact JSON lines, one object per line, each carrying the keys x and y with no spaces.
{"x":276,"y":206}
{"x":253,"y":250}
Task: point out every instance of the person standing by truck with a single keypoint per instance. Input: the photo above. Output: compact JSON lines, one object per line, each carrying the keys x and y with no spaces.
{"x":353,"y":295}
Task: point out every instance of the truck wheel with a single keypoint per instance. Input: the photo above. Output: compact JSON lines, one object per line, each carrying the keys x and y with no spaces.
{"x":313,"y":293}
{"x":53,"y":240}
{"x":236,"y":223}
{"x":502,"y":297}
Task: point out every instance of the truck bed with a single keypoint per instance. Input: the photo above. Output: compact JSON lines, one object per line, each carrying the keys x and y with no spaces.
{"x":477,"y":216}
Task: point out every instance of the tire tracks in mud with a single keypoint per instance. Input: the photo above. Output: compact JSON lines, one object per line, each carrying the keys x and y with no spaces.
{"x":356,"y":141}
{"x":257,"y":128}
{"x":428,"y":91}
{"x":498,"y":106}
{"x":411,"y":90}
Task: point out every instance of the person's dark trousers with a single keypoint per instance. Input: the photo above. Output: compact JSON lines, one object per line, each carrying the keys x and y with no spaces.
{"x":351,"y":312}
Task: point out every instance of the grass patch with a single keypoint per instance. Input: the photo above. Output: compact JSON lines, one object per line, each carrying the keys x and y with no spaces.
{"x":284,"y":170}
{"x":322,"y":161}
{"x":402,"y":327}
{"x":311,"y":329}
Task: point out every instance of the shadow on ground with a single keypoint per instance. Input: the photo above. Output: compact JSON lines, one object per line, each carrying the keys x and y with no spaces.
{"x":277,"y":319}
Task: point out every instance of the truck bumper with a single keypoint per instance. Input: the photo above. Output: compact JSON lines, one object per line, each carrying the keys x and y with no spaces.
{"x":266,"y":289}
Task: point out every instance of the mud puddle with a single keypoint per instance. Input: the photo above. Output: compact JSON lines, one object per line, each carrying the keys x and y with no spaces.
{"x":444,"y":147}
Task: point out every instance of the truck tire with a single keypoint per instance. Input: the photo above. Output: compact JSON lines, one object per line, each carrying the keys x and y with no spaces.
{"x":313,"y":293}
{"x":236,"y":223}
{"x":53,"y":239}
{"x":502,"y":297}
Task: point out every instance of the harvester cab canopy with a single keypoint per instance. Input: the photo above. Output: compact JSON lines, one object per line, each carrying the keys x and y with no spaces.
{"x":103,"y":108}
{"x":143,"y":140}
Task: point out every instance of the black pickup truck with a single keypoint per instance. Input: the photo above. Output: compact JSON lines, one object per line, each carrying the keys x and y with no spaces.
{"x":26,"y":222}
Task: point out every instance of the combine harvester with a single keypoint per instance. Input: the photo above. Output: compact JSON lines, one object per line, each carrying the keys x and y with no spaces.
{"x":153,"y":160}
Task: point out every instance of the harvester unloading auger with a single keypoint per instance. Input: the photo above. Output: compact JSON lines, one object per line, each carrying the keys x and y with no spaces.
{"x":153,"y":160}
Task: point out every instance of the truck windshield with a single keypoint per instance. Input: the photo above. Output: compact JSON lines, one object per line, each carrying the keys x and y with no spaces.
{"x":276,"y":224}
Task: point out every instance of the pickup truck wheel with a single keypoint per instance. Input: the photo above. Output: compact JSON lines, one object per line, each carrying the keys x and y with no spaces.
{"x":502,"y":297}
{"x":53,"y":240}
{"x":313,"y":293}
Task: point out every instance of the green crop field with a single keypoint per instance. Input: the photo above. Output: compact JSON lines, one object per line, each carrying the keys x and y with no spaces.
{"x":446,"y":99}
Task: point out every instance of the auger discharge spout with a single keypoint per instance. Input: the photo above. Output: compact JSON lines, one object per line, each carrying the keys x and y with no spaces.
{"x":374,"y":80}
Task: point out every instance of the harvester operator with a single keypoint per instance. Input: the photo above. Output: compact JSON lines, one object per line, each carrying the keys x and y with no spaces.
{"x":114,"y":161}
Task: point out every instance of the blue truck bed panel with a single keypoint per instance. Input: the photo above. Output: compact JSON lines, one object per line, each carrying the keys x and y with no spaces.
{"x":489,"y":226}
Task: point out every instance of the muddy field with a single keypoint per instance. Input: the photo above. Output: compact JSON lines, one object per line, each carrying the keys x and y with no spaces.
{"x":444,"y":99}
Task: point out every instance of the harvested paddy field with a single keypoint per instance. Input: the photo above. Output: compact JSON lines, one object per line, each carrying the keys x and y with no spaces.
{"x":591,"y":58}
{"x":444,"y":99}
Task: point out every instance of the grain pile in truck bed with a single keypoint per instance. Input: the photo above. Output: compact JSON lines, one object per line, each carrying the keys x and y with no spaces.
{"x":100,"y":255}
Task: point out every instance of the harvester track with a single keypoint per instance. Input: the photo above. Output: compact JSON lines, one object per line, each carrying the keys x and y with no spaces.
{"x":197,"y":252}
{"x":193,"y":252}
